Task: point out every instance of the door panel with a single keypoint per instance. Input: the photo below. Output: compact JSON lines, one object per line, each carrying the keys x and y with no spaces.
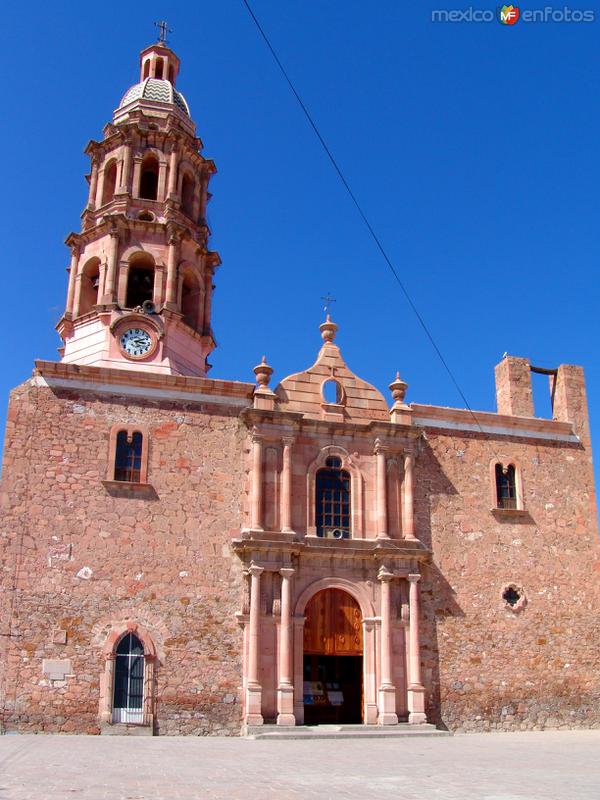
{"x":333,"y":624}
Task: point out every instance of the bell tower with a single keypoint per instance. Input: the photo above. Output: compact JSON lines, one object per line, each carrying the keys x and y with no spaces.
{"x":141,"y":273}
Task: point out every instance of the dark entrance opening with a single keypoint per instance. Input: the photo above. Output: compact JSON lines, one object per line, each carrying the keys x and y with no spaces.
{"x":332,"y":689}
{"x":333,"y":659}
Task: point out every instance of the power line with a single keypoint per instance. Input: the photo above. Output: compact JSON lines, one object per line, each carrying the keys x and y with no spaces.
{"x":359,"y":208}
{"x":367,"y":223}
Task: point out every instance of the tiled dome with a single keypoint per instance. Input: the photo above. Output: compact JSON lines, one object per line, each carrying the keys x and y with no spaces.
{"x":156,"y":90}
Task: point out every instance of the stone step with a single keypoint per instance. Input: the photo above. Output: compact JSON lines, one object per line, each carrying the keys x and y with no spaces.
{"x":403,"y":729}
{"x":123,"y":729}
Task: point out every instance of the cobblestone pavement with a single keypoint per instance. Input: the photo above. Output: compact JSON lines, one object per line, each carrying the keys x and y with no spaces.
{"x":555,"y":765}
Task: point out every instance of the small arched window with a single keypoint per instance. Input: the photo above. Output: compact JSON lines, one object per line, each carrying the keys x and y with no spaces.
{"x":332,"y":392}
{"x":146,"y":68}
{"x":188,"y":186}
{"x":110,"y":182}
{"x":128,"y":693}
{"x":332,"y":496}
{"x":158,"y":72}
{"x":128,"y":457}
{"x":149,"y":178}
{"x":506,"y":486}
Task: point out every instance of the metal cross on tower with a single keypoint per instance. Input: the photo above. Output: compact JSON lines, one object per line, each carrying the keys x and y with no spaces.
{"x":328,"y":299}
{"x":163,"y":31}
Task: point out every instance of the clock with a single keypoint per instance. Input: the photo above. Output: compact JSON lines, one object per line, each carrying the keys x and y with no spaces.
{"x":136,"y":342}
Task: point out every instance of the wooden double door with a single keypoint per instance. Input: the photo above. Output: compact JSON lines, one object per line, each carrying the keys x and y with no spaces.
{"x":333,"y":659}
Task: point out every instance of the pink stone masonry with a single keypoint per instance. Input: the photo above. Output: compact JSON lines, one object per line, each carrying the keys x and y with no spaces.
{"x":166,"y":537}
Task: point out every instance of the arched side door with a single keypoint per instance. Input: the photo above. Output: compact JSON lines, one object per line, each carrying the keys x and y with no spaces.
{"x":128,"y":696}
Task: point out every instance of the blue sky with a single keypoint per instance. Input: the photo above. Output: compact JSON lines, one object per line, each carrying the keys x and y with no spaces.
{"x":473,"y":149}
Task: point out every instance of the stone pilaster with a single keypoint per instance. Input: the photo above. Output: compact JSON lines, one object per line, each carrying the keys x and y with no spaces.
{"x":253,"y":685}
{"x":387,"y":690}
{"x":285,"y":689}
{"x":416,"y":690}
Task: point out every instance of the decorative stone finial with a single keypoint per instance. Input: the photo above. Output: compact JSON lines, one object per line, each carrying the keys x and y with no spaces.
{"x":328,"y":330}
{"x":398,"y":388}
{"x":263,"y":373}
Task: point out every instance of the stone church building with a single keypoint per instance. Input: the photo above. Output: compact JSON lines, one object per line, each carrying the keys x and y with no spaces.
{"x":187,"y":555}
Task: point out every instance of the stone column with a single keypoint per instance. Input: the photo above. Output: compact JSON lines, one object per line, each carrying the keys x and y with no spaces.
{"x":286,"y":486}
{"x":256,"y":495}
{"x":387,"y":690}
{"x":172,"y":174}
{"x":381,"y":491}
{"x":93,"y":185}
{"x":408,"y":519}
{"x":126,"y":170}
{"x":162,"y":180}
{"x":285,"y":690}
{"x":253,"y":687}
{"x":172,"y":259}
{"x":72,"y":275}
{"x":416,"y":690}
{"x":111,"y":269}
{"x":99,"y":187}
{"x":137,"y":174}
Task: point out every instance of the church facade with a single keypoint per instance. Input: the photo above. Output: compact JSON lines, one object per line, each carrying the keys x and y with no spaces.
{"x":187,"y":555}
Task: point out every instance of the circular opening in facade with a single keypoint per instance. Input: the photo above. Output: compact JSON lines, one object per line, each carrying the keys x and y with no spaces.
{"x":514,"y":597}
{"x":146,"y":216}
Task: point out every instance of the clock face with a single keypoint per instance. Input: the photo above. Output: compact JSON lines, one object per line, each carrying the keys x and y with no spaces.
{"x":136,"y":342}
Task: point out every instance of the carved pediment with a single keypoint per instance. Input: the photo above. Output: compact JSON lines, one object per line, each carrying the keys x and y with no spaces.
{"x":329,"y":390}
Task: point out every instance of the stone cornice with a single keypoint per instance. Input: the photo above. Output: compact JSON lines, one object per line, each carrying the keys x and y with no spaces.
{"x":386,"y":430}
{"x":486,"y":422}
{"x":250,"y":543}
{"x":143,"y":384}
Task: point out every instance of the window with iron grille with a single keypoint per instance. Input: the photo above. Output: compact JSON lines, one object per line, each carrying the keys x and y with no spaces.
{"x":506,"y":486}
{"x":332,"y":493}
{"x":128,"y":457}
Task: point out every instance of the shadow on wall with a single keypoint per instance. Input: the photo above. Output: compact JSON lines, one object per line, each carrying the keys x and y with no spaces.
{"x":437,"y":595}
{"x":431,"y":482}
{"x":437,"y":601}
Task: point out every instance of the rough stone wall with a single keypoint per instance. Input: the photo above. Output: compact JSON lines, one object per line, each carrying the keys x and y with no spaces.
{"x":488,"y":667}
{"x":90,"y":556}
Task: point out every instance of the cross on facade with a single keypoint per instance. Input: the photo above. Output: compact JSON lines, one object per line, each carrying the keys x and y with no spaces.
{"x":163,"y":30}
{"x":328,"y":299}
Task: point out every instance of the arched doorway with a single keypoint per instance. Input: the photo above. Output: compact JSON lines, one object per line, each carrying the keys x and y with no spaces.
{"x":128,"y":694}
{"x":333,"y":659}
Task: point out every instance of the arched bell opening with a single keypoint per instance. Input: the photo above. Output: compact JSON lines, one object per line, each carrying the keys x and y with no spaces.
{"x":149,"y":178}
{"x":188,"y":189}
{"x":90,"y":284}
{"x":140,"y":280}
{"x":191,"y":299}
{"x":110,"y":182}
{"x":333,"y":659}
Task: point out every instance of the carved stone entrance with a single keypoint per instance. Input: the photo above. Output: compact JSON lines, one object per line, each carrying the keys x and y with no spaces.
{"x":333,"y":659}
